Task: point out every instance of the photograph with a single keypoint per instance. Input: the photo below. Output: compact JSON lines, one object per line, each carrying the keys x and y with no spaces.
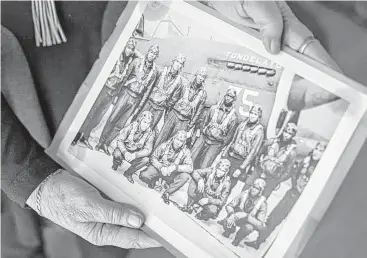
{"x":202,"y":125}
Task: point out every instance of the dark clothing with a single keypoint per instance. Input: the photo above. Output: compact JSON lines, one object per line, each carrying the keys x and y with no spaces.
{"x":130,"y":98}
{"x":299,"y":180}
{"x":175,"y":181}
{"x":156,"y":111}
{"x":279,"y":213}
{"x":107,"y":95}
{"x":216,"y":190}
{"x":204,"y":153}
{"x":171,"y":126}
{"x":275,"y":166}
{"x":24,"y":164}
{"x":185,"y":112}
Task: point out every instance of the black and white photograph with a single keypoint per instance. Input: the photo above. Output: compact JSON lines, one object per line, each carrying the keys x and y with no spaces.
{"x":198,"y":123}
{"x":183,"y":129}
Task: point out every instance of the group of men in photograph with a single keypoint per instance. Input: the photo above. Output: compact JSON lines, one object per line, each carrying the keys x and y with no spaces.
{"x":225,"y":152}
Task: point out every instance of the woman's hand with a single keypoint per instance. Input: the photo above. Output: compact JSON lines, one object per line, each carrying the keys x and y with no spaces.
{"x":72,"y":203}
{"x":278,"y":25}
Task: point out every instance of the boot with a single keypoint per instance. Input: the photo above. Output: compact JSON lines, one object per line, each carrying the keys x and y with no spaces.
{"x":236,"y":241}
{"x":103,"y":148}
{"x":129,"y":178}
{"x":165,"y":198}
{"x":199,"y":216}
{"x":254,"y":244}
{"x":115,"y":166}
{"x":86,"y":142}
{"x":227,"y":233}
{"x":187,"y":209}
{"x":221,"y":222}
{"x":76,"y":139}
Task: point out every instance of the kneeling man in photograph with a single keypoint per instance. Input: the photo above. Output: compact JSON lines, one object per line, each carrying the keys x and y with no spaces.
{"x":172,"y":162}
{"x":135,"y":144}
{"x":209,"y":189}
{"x":247,"y":211}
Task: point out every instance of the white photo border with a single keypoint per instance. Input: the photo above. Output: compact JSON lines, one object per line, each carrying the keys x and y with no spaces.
{"x":334,"y":164}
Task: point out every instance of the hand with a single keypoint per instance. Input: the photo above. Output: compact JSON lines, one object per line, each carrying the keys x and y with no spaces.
{"x":201,"y":185}
{"x":72,"y":203}
{"x":130,"y":156}
{"x":236,"y":173}
{"x":231,"y":220}
{"x":277,"y":24}
{"x":165,"y":171}
{"x":204,"y":201}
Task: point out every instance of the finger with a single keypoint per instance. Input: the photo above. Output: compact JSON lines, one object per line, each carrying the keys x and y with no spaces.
{"x":111,"y":212}
{"x":102,"y":234}
{"x":267,"y":16}
{"x":295,"y":33}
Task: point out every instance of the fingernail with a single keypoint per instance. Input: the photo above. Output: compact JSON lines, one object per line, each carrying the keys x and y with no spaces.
{"x":134,"y":221}
{"x":274,"y":46}
{"x":267,"y":43}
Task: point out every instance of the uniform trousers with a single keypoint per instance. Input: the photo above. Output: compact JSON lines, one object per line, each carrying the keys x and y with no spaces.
{"x":171,"y":127}
{"x":279,"y":213}
{"x":245,"y":228}
{"x":135,"y":165}
{"x":271,"y":182}
{"x":121,"y":112}
{"x":97,"y":112}
{"x":175,"y":181}
{"x":156,"y":111}
{"x":203,"y":153}
{"x":209,"y":210}
{"x":235,"y":164}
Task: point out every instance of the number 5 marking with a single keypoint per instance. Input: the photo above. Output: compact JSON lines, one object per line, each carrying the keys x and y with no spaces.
{"x":247,"y":102}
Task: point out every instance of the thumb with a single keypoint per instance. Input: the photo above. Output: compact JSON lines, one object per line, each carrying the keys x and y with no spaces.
{"x":267,"y":16}
{"x":106,"y":211}
{"x":102,"y":234}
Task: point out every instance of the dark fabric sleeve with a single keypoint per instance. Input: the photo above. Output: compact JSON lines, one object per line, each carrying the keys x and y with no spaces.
{"x":24,"y":163}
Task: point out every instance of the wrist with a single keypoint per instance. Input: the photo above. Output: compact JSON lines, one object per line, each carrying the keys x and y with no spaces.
{"x":34,"y":200}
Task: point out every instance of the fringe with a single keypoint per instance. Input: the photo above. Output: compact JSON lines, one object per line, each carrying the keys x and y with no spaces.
{"x":47,"y":28}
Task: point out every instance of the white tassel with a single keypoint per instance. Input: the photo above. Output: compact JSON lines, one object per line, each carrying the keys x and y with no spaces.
{"x":47,"y":28}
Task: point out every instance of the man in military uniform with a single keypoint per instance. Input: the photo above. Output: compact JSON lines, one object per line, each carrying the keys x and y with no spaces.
{"x":245,"y":145}
{"x":218,"y":128}
{"x":187,"y":109}
{"x":300,"y":179}
{"x":172,"y":162}
{"x":135,"y":144}
{"x":247,"y":211}
{"x":136,"y":85}
{"x":166,"y":89}
{"x":209,"y":189}
{"x":277,"y":158}
{"x":109,"y":92}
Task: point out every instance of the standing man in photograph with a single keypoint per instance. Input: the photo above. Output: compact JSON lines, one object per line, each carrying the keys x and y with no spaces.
{"x":166,"y":90}
{"x":172,"y":162}
{"x":218,"y":128}
{"x":109,"y":92}
{"x":245,"y":145}
{"x":187,"y":109}
{"x":135,"y":144}
{"x":209,"y":188}
{"x":140,"y":76}
{"x":247,"y":211}
{"x":304,"y":170}
{"x":277,"y":158}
